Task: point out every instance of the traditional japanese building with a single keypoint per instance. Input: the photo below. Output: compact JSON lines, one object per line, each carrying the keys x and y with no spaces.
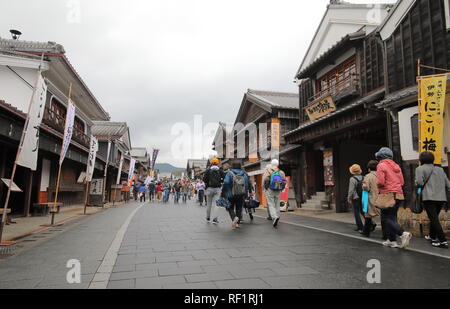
{"x":19,"y":63}
{"x":257,"y":135}
{"x":340,"y":80}
{"x":415,"y":30}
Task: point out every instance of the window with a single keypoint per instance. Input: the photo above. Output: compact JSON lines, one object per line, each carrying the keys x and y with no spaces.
{"x":415,"y":131}
{"x":58,"y":113}
{"x":337,"y":79}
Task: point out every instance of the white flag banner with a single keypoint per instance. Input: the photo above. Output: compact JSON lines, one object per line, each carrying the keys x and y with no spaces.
{"x":107,"y":158}
{"x":91,"y":159}
{"x":68,"y":131}
{"x":131,"y":171}
{"x":120,"y":170}
{"x":29,"y":153}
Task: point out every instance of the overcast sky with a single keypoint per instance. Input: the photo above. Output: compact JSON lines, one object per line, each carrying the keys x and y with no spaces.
{"x":154,"y":63}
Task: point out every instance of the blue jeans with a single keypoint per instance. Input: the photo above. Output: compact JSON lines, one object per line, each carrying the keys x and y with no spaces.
{"x":176,"y":196}
{"x":357,"y":212}
{"x":389,"y":222}
{"x":166,"y":196}
{"x":212,"y":195}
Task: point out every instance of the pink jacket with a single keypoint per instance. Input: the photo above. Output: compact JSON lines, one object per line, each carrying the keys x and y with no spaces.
{"x":389,"y":177}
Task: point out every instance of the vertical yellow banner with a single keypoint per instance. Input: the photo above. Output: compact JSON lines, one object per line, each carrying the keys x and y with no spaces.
{"x":432,"y":91}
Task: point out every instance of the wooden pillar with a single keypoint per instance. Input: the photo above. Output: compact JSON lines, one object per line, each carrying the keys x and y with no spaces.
{"x":28,"y":190}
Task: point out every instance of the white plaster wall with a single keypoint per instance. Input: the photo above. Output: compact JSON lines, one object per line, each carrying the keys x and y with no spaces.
{"x":15,"y":91}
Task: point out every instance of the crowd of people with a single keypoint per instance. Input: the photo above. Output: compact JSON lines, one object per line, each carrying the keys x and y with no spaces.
{"x":383,"y":185}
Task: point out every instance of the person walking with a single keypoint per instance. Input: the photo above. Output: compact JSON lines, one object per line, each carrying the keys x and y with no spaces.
{"x":390,"y":183}
{"x":186,"y":190}
{"x":236,"y":187}
{"x":151,"y":191}
{"x":125,"y":192}
{"x":370,"y":185}
{"x":355,"y":194}
{"x":136,"y":190}
{"x":267,"y":170}
{"x":434,"y":184}
{"x":177,"y":191}
{"x":166,"y":191}
{"x":200,"y":187}
{"x":159,"y":192}
{"x":213,"y":180}
{"x":142,"y":192}
{"x":274,"y":181}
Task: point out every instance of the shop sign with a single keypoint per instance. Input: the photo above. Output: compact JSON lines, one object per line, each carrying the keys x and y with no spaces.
{"x":320,"y":108}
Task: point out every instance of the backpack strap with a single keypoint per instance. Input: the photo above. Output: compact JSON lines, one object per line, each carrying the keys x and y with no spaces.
{"x":428,"y":179}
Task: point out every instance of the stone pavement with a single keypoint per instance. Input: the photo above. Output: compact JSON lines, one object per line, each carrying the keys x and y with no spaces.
{"x":29,"y":225}
{"x":172,"y":247}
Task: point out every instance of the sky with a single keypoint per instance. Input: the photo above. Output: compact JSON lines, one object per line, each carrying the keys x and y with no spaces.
{"x":156,"y":64}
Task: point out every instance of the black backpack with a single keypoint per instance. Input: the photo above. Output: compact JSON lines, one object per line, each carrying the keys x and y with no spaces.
{"x":359,"y":187}
{"x":214,"y":179}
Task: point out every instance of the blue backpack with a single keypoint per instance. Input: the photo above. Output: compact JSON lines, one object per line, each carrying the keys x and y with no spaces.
{"x":277,"y":182}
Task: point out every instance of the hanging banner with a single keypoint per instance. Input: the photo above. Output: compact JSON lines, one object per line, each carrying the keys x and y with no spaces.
{"x":154,"y":157}
{"x":131,"y":171}
{"x":432,"y":91}
{"x":328,"y":167}
{"x":107,"y":158}
{"x":29,"y":153}
{"x":91,"y":159}
{"x":68,"y":131}
{"x":120,"y":169}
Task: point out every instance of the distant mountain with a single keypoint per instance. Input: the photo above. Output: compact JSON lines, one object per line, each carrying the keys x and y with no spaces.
{"x":167,"y":168}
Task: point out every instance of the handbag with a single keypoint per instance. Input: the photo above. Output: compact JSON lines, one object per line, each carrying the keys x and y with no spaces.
{"x":223,"y":202}
{"x":251,"y":204}
{"x":365,"y":201}
{"x":384,"y":201}
{"x":418,"y":205}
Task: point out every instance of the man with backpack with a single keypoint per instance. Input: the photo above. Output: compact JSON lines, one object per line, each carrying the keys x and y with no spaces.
{"x":355,"y":189}
{"x":274,"y":181}
{"x":213,"y":180}
{"x":236,"y":187}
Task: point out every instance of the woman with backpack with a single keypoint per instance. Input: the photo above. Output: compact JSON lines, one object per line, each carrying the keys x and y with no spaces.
{"x":274,"y":181}
{"x":433,"y":183}
{"x":355,"y":194}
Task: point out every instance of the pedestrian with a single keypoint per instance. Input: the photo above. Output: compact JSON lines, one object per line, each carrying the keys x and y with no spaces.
{"x":142,"y":192}
{"x":177,"y":191}
{"x":390,"y":183}
{"x":274,"y":181}
{"x":267,"y":170}
{"x":136,"y":190}
{"x":151,"y":191}
{"x":166,"y":191}
{"x":200,"y":187}
{"x":213,"y":180}
{"x":370,"y":185}
{"x":159,"y":192}
{"x":186,"y":190}
{"x":125,"y":192}
{"x":355,"y":194}
{"x":236,"y":187}
{"x":434,"y":184}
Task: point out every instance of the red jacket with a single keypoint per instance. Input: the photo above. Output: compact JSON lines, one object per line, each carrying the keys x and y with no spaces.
{"x":389,"y":177}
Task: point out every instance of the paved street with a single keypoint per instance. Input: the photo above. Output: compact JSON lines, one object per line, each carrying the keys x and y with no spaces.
{"x":171,"y":246}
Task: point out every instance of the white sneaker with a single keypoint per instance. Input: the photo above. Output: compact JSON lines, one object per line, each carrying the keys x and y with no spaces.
{"x":235,"y":222}
{"x":405,"y":238}
{"x":391,"y":244}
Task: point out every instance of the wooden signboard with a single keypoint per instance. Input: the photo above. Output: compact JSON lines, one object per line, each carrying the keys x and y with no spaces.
{"x":320,"y":108}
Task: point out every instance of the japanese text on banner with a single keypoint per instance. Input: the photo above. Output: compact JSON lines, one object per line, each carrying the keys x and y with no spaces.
{"x":432,"y":106}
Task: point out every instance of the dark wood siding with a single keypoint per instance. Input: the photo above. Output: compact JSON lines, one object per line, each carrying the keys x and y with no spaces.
{"x":421,"y":35}
{"x":306,"y":91}
{"x":372,"y":70}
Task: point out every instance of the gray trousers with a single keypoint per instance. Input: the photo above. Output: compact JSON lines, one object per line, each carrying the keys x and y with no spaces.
{"x":212,"y":195}
{"x":273,"y":203}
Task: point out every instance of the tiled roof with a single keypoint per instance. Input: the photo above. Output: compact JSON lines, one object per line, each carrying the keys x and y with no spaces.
{"x":113,"y":130}
{"x":276,"y":99}
{"x":49,"y":47}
